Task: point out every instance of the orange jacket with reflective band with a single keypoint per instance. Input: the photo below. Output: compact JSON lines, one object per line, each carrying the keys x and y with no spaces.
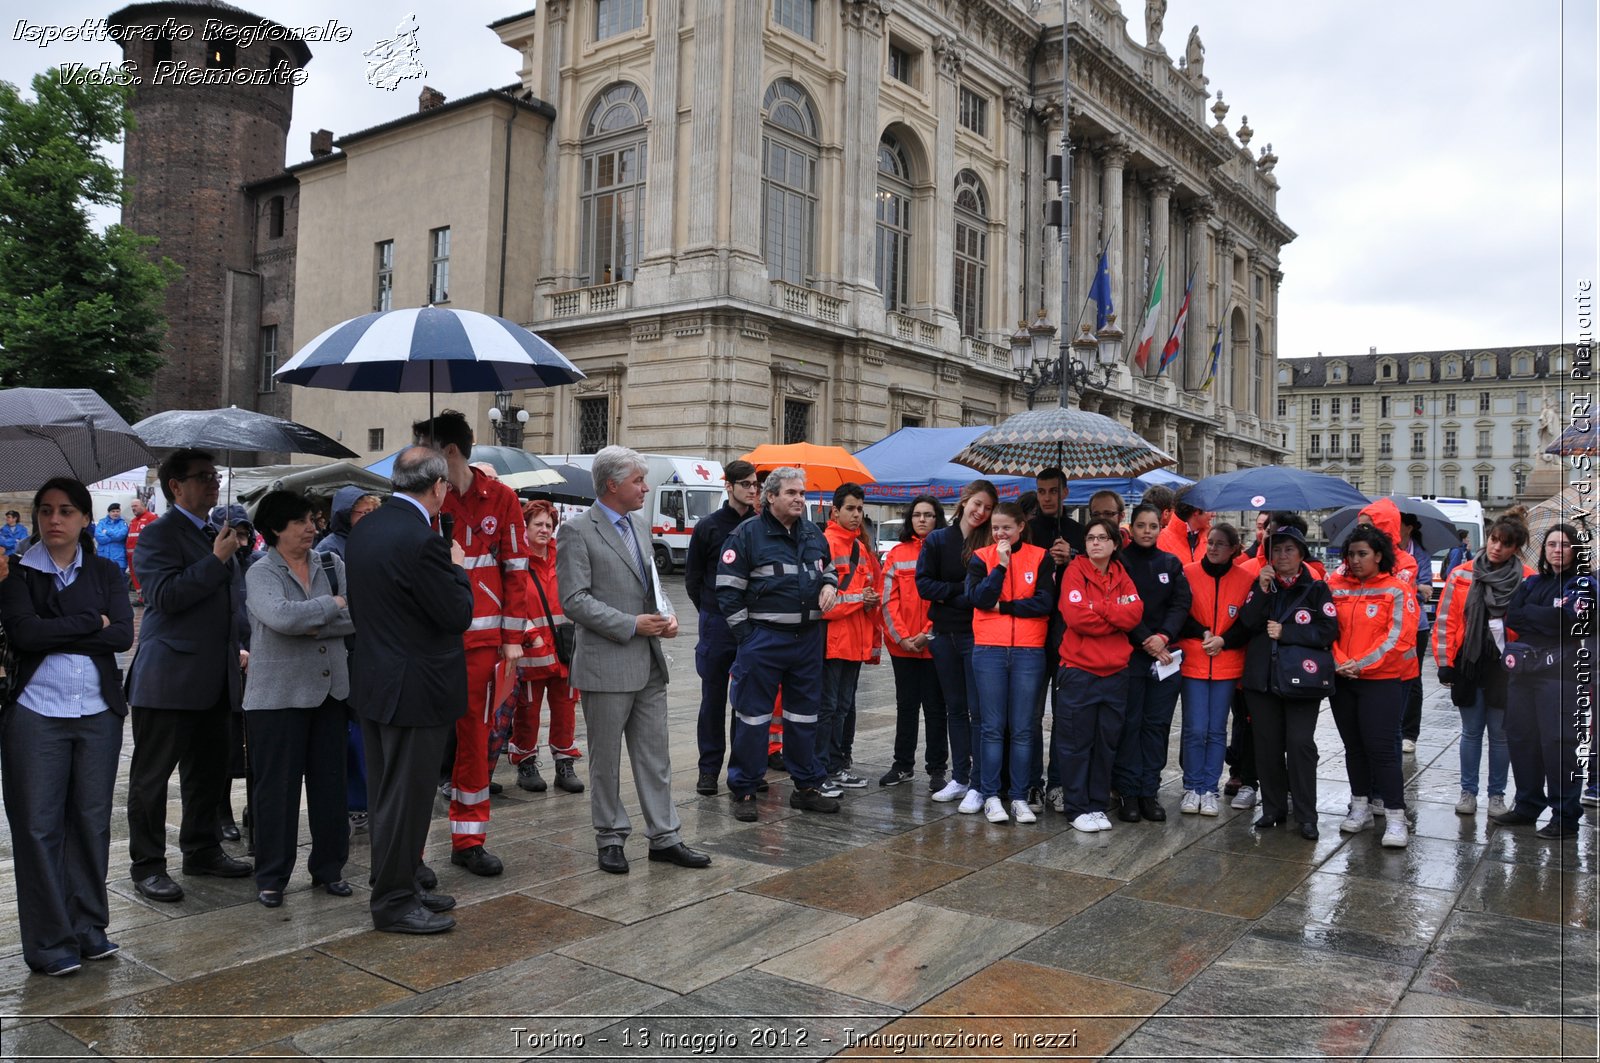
{"x":1377,"y":625}
{"x":539,"y":659}
{"x":1215,"y":607}
{"x":905,"y":612}
{"x":852,"y":627}
{"x":1099,"y":608}
{"x":990,"y":627}
{"x":490,"y":530}
{"x":1174,"y":539}
{"x":1451,"y":616}
{"x":1385,"y":516}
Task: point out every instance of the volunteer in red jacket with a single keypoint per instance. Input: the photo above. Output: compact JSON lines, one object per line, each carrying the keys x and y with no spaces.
{"x":906,"y":633}
{"x":1375,"y":653}
{"x":486,"y":519}
{"x":1213,"y":661}
{"x":541,"y":673}
{"x":1010,"y":584}
{"x":1100,"y":606}
{"x":852,"y":634}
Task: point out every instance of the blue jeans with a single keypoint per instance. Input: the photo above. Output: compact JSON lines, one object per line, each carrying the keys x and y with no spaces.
{"x":1474,"y":719}
{"x":1008,"y":679}
{"x":952,"y":659}
{"x":834,"y":721}
{"x":1142,"y":749}
{"x":1205,"y":731}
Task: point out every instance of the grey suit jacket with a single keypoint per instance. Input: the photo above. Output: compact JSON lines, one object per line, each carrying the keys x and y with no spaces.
{"x":602,"y":593}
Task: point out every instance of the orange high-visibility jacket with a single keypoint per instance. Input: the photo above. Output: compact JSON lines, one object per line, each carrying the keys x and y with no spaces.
{"x":1174,"y":539}
{"x":852,"y":627}
{"x":1021,"y":614}
{"x":905,"y":612}
{"x":1450,"y":619}
{"x":1377,"y":625}
{"x":1215,"y":607}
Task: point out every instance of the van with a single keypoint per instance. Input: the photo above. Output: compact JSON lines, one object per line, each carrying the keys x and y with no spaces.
{"x":683,"y":490}
{"x":1464,"y":513}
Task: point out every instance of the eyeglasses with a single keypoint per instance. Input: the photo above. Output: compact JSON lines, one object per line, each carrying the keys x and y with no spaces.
{"x":746,"y":483}
{"x":203,"y":477}
{"x":1097,"y":538}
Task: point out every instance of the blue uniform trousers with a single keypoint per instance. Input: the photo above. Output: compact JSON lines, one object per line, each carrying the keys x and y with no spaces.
{"x":713,"y":659}
{"x":768,"y":660}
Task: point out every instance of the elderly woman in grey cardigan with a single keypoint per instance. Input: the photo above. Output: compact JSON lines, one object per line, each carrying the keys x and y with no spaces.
{"x":294,"y":701}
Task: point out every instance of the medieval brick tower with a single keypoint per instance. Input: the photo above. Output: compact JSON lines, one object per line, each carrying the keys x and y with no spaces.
{"x":212,"y":108}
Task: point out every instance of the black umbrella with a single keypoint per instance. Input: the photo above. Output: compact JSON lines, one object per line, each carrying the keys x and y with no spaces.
{"x":235,"y":429}
{"x":46,"y":432}
{"x":1438,"y":530}
{"x":576,"y":487}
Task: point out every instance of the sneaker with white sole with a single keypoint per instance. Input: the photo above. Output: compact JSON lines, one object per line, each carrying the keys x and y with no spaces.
{"x":1102,"y":819}
{"x":1056,"y":798}
{"x":951,"y":791}
{"x":1191,"y":802}
{"x":1360,"y":817}
{"x":1035,"y":800}
{"x":1086,"y":822}
{"x":971,"y":804}
{"x":1209,"y":805}
{"x":850,"y":780}
{"x":1395,"y":832}
{"x":995,"y":811}
{"x":1408,"y":745}
{"x":1245,"y":798}
{"x":1376,"y":804}
{"x":1467,"y":803}
{"x":830,"y":789}
{"x":1589,"y":797}
{"x":1022,"y":813}
{"x":1497,"y":805}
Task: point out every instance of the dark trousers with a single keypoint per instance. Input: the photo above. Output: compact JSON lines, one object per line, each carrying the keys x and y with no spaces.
{"x":713,"y":660}
{"x":196,"y":743}
{"x":355,"y":765}
{"x":1046,"y":773}
{"x":836,"y":719}
{"x":952,"y":660}
{"x":1285,"y":732}
{"x":1088,"y":723}
{"x":1368,"y":714}
{"x":1146,"y":729}
{"x":1411,"y":719}
{"x":916,"y":692}
{"x":58,"y":776}
{"x":288,"y":747}
{"x":1242,"y":749}
{"x":1543,"y":727}
{"x":402,"y":774}
{"x":769,"y":660}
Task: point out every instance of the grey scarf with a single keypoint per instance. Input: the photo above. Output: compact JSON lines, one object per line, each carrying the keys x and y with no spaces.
{"x":1492,"y":588}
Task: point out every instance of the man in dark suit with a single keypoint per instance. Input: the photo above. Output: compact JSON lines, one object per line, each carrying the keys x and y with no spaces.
{"x":184,"y":681}
{"x":411,"y":602}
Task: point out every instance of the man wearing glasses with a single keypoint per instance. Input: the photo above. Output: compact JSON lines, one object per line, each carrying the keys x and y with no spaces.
{"x":184,"y":681}
{"x":714,"y":653}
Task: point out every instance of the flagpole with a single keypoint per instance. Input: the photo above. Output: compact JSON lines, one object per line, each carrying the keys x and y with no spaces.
{"x":1066,"y":335}
{"x":1089,"y":296}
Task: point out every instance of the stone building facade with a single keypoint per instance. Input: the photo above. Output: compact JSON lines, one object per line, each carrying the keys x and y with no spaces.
{"x":823,"y":219}
{"x":1463,"y":423}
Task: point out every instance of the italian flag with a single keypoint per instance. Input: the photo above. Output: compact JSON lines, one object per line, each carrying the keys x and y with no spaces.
{"x":1147,"y":335}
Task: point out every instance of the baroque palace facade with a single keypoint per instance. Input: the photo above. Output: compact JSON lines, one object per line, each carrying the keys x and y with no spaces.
{"x":816,"y":219}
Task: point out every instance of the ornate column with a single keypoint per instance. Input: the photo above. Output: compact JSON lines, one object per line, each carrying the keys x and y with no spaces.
{"x":1250,"y":402}
{"x":1226,"y":242}
{"x":1024,"y":218}
{"x":1203,"y":315}
{"x":1050,"y":117}
{"x":863,"y":68}
{"x":705,"y":136}
{"x":557,"y":264}
{"x":661,"y":194}
{"x":1113,"y":156}
{"x":950,"y":56}
{"x":1161,"y":184}
{"x":748,"y":25}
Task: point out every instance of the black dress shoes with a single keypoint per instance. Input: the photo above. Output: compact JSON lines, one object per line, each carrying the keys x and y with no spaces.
{"x":744,"y":808}
{"x":159,"y":887}
{"x":425,"y":877}
{"x":419,"y":921}
{"x":612,"y":860}
{"x":1150,"y":808}
{"x":706,"y":785}
{"x":1555,"y":830}
{"x":270,"y":898}
{"x":1268,"y":822}
{"x":477,"y":860}
{"x":1512,"y":818}
{"x":681,"y":855}
{"x":219,"y":864}
{"x":1308,"y":831}
{"x":339,"y":888}
{"x":437,"y":902}
{"x":1128,"y":810}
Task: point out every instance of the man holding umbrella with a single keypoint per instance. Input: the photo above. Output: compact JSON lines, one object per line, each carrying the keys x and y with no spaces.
{"x":485,"y":518}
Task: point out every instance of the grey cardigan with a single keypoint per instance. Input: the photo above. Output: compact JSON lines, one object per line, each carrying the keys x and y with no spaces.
{"x":297,"y":651}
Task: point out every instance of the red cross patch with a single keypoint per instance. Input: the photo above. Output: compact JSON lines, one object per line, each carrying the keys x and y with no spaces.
{"x":1309,"y":666}
{"x":1329,"y":610}
{"x":1303,"y":616}
{"x":488,"y":525}
{"x":728,"y":556}
{"x":1075,"y":596}
{"x":1372,"y":611}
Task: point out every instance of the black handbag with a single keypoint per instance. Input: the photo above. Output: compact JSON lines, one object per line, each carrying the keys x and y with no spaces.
{"x":1301,"y":671}
{"x":565,"y":636}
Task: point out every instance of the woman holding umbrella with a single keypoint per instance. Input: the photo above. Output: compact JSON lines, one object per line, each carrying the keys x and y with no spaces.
{"x":1213,"y":660}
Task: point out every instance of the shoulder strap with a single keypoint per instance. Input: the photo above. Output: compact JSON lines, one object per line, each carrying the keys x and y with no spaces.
{"x":855,"y":563}
{"x":533,"y":577}
{"x":333,"y":576}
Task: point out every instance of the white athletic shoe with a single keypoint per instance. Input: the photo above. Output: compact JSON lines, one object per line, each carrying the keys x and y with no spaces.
{"x":1103,"y":820}
{"x":1209,"y":805}
{"x":971,"y":804}
{"x":1395,"y":833}
{"x":1467,"y":803}
{"x":995,"y":812}
{"x":1086,"y":823}
{"x":1022,"y":813}
{"x":1191,"y":802}
{"x":1360,"y":817}
{"x":953,"y":791}
{"x":1408,"y":745}
{"x":1497,"y":805}
{"x":1245,"y":798}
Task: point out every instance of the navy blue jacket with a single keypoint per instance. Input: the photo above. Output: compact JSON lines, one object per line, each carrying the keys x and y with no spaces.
{"x":705,"y":547}
{"x":771,"y":575}
{"x":1166,"y":600}
{"x":1565,"y":628}
{"x":1305,"y":609}
{"x":942,"y":581}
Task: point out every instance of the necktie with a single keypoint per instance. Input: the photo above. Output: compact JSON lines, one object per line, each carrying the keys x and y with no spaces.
{"x":210,"y":532}
{"x":627,"y":533}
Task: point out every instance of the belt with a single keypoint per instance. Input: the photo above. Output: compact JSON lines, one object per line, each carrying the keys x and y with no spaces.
{"x":787,"y":629}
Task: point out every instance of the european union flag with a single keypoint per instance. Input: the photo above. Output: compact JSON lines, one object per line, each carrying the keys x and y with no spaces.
{"x":1100,"y":292}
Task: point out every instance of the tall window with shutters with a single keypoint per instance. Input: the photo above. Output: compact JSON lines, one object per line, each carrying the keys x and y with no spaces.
{"x":611,"y":203}
{"x":789,"y":150}
{"x":971,"y":252}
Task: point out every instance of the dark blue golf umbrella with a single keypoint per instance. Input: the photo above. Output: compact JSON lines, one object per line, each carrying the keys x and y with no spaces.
{"x":1272,"y":487}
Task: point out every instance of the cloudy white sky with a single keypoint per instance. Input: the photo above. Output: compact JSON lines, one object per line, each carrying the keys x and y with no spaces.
{"x":1438,"y":157}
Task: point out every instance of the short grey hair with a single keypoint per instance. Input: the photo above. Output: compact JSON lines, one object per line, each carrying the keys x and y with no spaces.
{"x":614,"y":465}
{"x":416,"y":469}
{"x":779,"y":476}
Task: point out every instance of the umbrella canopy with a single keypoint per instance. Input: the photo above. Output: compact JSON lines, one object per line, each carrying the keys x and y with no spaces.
{"x":428,"y":349}
{"x":318,"y":482}
{"x":1579,"y":438}
{"x":576,"y":487}
{"x":236,"y":429}
{"x":916,"y":461}
{"x":1273,"y":487}
{"x":515,"y":467}
{"x":1576,"y":506}
{"x":1082,"y":444}
{"x":826,"y":468}
{"x":1438,"y":530}
{"x":48,"y":432}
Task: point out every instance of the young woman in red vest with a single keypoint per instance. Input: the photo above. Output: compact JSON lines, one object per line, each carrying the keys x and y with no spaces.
{"x":906,"y":631}
{"x":1009,"y":585}
{"x":1100,"y":605}
{"x":1213,"y":661}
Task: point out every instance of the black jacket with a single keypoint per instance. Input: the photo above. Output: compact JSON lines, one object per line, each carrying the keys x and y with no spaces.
{"x":705,"y":551}
{"x":772,"y":575}
{"x":1165,"y":592}
{"x":1567,"y":628}
{"x":1044,"y":530}
{"x":40,"y":620}
{"x":1305,"y":609}
{"x":942,"y":581}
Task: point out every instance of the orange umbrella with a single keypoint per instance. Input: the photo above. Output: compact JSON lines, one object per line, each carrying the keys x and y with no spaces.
{"x":825,"y":467}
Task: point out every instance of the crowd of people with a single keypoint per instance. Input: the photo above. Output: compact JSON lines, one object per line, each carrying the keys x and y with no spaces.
{"x":393,"y":657}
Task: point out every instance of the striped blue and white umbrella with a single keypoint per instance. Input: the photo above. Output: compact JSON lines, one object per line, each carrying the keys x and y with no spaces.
{"x":428,"y":349}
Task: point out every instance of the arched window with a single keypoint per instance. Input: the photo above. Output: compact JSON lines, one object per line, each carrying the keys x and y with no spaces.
{"x":972,"y":252}
{"x":790,"y":146}
{"x":894,"y":222}
{"x":612,"y":197}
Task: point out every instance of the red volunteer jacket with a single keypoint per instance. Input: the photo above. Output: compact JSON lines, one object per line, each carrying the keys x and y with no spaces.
{"x":1099,"y":608}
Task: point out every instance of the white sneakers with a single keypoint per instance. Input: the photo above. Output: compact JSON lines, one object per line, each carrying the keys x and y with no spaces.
{"x":1360,"y":817}
{"x":1467,"y":803}
{"x":994,"y":811}
{"x":1087,"y":822}
{"x":1208,"y":804}
{"x":1022,"y":813}
{"x":1245,"y":798}
{"x":971,"y":804}
{"x":951,"y":791}
{"x":1497,"y":805}
{"x":1191,"y":803}
{"x":1100,"y":818}
{"x":1407,"y":746}
{"x":1395,"y":834}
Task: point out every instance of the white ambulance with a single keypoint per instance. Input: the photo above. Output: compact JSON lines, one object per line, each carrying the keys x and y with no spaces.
{"x":683,"y":490}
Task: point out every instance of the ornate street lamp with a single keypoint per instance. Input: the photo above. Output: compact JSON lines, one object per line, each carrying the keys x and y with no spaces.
{"x":1088,"y":363}
{"x":509,"y":421}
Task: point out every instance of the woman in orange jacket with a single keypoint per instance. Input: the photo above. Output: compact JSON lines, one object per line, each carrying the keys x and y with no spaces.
{"x":1213,"y":661}
{"x":1011,"y":586}
{"x":541,"y":674}
{"x":1100,"y":605}
{"x":1375,"y":653}
{"x":906,"y":629}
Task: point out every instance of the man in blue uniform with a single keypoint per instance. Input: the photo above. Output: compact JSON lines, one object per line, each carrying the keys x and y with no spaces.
{"x":714,"y":653}
{"x":773,"y":585}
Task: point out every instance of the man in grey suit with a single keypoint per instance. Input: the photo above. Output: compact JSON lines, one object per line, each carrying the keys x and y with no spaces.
{"x":609,"y":590}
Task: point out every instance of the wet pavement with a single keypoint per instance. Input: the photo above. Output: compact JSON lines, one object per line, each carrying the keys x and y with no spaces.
{"x":897,"y":929}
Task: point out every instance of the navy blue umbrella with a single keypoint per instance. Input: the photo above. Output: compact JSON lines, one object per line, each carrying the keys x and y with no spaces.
{"x":1272,"y":487}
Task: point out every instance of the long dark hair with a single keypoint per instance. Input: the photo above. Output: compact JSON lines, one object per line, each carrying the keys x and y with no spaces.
{"x":1545,"y":568}
{"x":78,"y":495}
{"x":981,"y":535}
{"x":906,"y":534}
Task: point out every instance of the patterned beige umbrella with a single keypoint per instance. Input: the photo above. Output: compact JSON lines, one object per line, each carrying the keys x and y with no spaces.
{"x":1084,"y":445}
{"x":1572,"y":506}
